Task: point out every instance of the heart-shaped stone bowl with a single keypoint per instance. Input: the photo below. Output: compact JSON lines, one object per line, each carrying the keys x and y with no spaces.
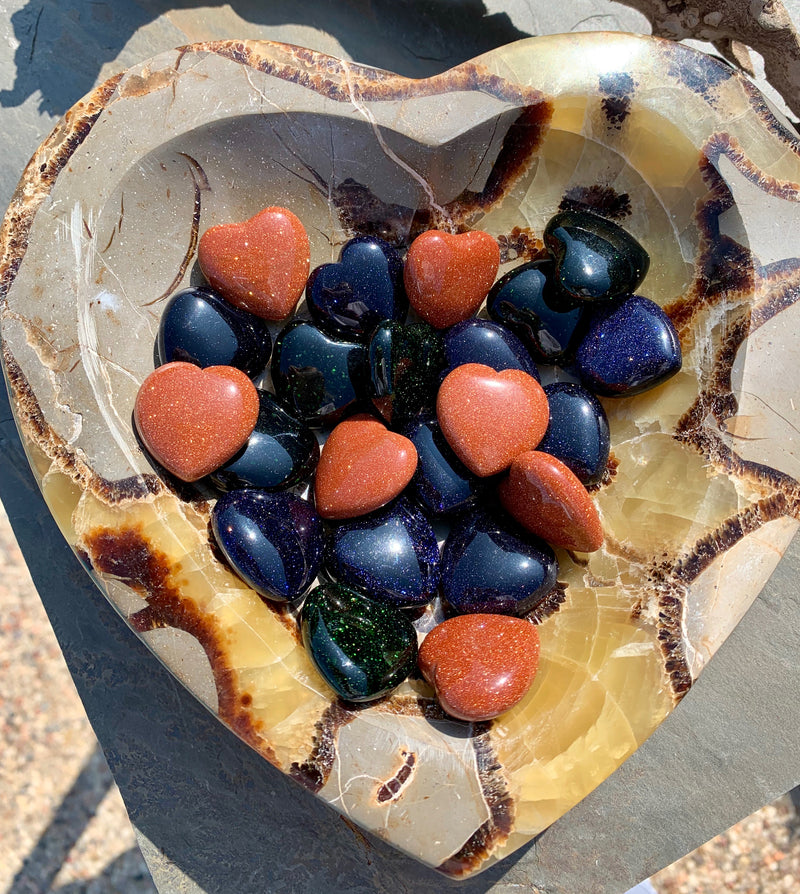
{"x":701,"y":499}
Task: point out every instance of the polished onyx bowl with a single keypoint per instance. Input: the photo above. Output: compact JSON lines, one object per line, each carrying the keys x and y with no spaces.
{"x":701,"y":496}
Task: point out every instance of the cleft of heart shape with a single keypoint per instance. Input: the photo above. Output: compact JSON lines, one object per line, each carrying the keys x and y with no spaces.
{"x":260,"y":265}
{"x":447,"y":275}
{"x":362,"y":467}
{"x":192,"y":420}
{"x":489,"y":417}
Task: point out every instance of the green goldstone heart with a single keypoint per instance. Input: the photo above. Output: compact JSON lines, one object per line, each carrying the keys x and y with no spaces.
{"x":363,"y":649}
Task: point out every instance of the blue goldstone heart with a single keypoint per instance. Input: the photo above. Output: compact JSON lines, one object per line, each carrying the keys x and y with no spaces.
{"x":488,"y":565}
{"x":272,"y":541}
{"x":595,"y":258}
{"x":481,"y":341}
{"x":198,"y":326}
{"x":391,"y":555}
{"x":442,"y":483}
{"x":366,"y":286}
{"x":317,"y":377}
{"x":629,"y":347}
{"x":281,"y":452}
{"x":578,"y":432}
{"x":405,"y":361}
{"x":527,"y":302}
{"x":362,"y":648}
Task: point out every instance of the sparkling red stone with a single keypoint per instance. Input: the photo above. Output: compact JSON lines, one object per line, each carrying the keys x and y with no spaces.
{"x":448,"y":276}
{"x":489,"y":417}
{"x":549,"y":500}
{"x":362,"y":467}
{"x":194,"y":420}
{"x":480,"y":665}
{"x":260,"y":265}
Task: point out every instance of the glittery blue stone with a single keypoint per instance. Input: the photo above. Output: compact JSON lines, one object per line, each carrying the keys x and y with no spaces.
{"x":281,"y":452}
{"x":317,"y":377}
{"x":595,"y":258}
{"x":442,"y":483}
{"x":578,"y":432}
{"x":198,"y":326}
{"x":272,"y":541}
{"x":527,"y":302}
{"x":366,"y":286}
{"x":362,"y":648}
{"x":488,"y":565}
{"x":481,"y":341}
{"x":630,"y":347}
{"x":391,"y":555}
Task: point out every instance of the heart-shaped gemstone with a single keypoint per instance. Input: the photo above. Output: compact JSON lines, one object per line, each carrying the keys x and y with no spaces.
{"x":273,"y":541}
{"x":392,"y":555}
{"x":578,"y":433}
{"x":363,"y":466}
{"x":198,"y":326}
{"x":490,"y":417}
{"x":547,"y":498}
{"x":317,"y":377}
{"x":405,"y":362}
{"x":280,"y":453}
{"x":480,"y":665}
{"x":366,"y":286}
{"x":362,"y":648}
{"x":194,"y":420}
{"x":260,"y":265}
{"x":629,"y":347}
{"x":488,"y":566}
{"x":527,"y":301}
{"x":481,"y":341}
{"x":447,"y":276}
{"x":442,"y":483}
{"x":595,"y":258}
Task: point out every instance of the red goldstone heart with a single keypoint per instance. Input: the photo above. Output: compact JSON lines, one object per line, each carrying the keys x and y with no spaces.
{"x":260,"y":265}
{"x":194,"y":420}
{"x":447,"y":276}
{"x":362,"y":467}
{"x":549,"y":500}
{"x":490,"y":417}
{"x":480,"y":665}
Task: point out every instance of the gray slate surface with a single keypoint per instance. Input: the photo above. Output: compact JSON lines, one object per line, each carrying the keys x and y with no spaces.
{"x":211,"y":815}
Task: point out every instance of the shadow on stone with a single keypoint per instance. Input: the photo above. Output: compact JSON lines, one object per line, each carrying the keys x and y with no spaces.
{"x":128,"y":873}
{"x":63,"y":44}
{"x":73,"y":815}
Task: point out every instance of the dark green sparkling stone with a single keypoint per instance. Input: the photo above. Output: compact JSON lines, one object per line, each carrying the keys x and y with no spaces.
{"x":362,"y":648}
{"x":595,"y":258}
{"x":405,"y":361}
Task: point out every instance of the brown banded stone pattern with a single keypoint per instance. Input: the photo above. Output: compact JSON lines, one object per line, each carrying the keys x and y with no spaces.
{"x":106,"y":223}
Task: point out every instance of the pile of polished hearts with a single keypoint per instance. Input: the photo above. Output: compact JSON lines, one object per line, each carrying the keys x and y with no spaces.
{"x":443,"y":417}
